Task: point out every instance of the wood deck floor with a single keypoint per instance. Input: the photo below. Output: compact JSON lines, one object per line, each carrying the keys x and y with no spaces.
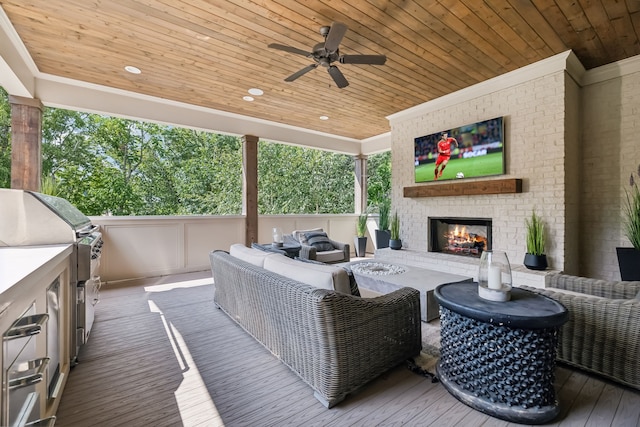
{"x":161,"y":354}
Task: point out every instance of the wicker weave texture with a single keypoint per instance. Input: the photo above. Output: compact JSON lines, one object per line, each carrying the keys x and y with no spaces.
{"x":603,"y":331}
{"x":335,"y":342}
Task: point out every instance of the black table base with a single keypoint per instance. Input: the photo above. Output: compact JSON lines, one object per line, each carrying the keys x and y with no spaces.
{"x":505,"y":372}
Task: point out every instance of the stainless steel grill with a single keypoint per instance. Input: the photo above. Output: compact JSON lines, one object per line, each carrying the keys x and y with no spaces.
{"x":33,"y":219}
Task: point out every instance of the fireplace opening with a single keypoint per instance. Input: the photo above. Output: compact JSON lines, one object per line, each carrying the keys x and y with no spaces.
{"x":460,"y":236}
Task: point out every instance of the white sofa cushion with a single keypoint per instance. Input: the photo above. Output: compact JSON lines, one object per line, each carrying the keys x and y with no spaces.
{"x":320,"y":276}
{"x":250,"y":255}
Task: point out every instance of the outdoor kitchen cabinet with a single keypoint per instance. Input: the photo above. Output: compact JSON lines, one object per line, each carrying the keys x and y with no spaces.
{"x":36,"y":302}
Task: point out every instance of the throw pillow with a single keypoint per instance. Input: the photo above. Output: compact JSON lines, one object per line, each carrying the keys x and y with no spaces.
{"x":298,"y":235}
{"x":352,"y":282}
{"x":319,"y":240}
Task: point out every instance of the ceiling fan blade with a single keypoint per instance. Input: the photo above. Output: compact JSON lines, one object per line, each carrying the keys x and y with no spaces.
{"x":336,"y":33}
{"x":297,"y":74}
{"x":290,"y":49}
{"x":338,"y":77}
{"x":363,"y":59}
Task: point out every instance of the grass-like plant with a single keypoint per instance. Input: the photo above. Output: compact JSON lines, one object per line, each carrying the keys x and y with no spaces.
{"x":395,"y":227}
{"x":631,"y":211}
{"x":361,"y":225}
{"x":383,"y":219}
{"x":535,"y":235}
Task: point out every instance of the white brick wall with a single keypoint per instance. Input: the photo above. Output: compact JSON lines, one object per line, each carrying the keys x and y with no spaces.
{"x":610,"y":152}
{"x":534,"y":132}
{"x":573,"y":145}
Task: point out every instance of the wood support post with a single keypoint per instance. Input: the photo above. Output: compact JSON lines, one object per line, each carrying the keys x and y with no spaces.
{"x":360,"y":188}
{"x":250,"y":187}
{"x":26,"y":143}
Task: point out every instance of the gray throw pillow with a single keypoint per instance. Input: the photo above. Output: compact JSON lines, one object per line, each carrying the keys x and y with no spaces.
{"x":352,"y":282}
{"x":319,"y":240}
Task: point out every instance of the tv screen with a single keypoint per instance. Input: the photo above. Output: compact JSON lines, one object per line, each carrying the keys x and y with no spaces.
{"x":468,"y":151}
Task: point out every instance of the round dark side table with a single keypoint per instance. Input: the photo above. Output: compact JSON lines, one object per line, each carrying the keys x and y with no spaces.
{"x":499,"y":357}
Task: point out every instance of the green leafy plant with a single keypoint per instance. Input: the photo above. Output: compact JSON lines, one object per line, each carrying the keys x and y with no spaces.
{"x":535,"y":235}
{"x":361,"y":225}
{"x":395,"y":227}
{"x":383,"y":220}
{"x":631,"y":211}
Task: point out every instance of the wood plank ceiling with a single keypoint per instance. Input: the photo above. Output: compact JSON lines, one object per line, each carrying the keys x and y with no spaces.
{"x":209,"y":53}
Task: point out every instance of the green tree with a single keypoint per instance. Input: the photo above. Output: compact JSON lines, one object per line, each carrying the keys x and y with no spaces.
{"x":379,"y":180}
{"x":296,"y":180}
{"x":125,"y":167}
{"x":5,"y":140}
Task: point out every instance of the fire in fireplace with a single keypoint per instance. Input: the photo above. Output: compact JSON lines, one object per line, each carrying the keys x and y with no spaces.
{"x":460,"y":236}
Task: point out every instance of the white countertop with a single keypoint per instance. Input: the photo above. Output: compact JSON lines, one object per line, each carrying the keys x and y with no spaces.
{"x":18,"y":262}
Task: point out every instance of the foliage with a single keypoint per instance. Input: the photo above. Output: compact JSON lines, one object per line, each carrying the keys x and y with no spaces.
{"x":361,"y":225}
{"x":49,"y":186}
{"x":631,"y":211}
{"x":5,"y":140}
{"x":297,"y":180}
{"x":379,"y":179}
{"x":107,"y":165}
{"x":535,"y":235}
{"x":395,"y":227}
{"x":384,"y":209}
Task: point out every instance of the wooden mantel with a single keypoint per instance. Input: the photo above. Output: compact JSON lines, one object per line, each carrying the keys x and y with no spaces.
{"x":466,"y":188}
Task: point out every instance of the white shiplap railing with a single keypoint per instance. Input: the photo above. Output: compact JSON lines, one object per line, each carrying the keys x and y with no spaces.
{"x":150,"y":246}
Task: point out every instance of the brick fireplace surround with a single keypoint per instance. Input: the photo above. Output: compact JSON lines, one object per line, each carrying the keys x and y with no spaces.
{"x":557,"y":116}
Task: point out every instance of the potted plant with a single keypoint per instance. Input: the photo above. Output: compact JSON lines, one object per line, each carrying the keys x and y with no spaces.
{"x":394,"y":240}
{"x":382,"y":233}
{"x":361,"y":240}
{"x":629,"y":258}
{"x":535,"y":258}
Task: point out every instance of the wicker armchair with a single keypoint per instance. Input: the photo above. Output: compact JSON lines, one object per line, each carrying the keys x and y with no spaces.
{"x":603,"y":331}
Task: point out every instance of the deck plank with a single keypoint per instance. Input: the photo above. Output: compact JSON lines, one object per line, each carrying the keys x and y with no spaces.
{"x":161,"y":354}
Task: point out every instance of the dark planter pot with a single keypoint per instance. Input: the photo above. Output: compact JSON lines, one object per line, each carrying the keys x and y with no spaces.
{"x":382,"y":239}
{"x":395,"y":244}
{"x":535,"y":262}
{"x":360,"y":244}
{"x":629,"y":262}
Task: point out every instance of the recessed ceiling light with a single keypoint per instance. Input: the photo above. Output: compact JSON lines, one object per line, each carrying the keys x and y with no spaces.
{"x":324,"y":117}
{"x":256,"y":92}
{"x":133,"y":70}
{"x":248,"y":98}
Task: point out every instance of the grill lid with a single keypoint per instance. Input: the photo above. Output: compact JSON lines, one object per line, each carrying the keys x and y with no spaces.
{"x":65,"y":210}
{"x":30,"y":218}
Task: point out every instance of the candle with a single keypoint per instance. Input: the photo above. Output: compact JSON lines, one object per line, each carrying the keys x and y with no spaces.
{"x":495,"y":277}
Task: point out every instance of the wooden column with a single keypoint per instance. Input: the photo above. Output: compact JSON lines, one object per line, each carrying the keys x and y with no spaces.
{"x":250,"y":187}
{"x":26,"y":143}
{"x":361,"y":183}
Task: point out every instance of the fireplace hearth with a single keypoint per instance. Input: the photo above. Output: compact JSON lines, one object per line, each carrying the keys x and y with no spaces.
{"x":459,"y":236}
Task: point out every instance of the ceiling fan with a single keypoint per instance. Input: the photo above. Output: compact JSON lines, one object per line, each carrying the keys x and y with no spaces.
{"x":328,"y":52}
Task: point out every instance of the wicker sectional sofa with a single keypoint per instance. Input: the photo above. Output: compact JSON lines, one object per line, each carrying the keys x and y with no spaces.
{"x":336,"y":342}
{"x":603,"y":332}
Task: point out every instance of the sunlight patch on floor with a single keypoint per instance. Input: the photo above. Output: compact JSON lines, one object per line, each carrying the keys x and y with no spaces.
{"x":190,"y":399}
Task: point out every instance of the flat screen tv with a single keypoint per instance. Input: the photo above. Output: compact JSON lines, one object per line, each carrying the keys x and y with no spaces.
{"x":468,"y":151}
